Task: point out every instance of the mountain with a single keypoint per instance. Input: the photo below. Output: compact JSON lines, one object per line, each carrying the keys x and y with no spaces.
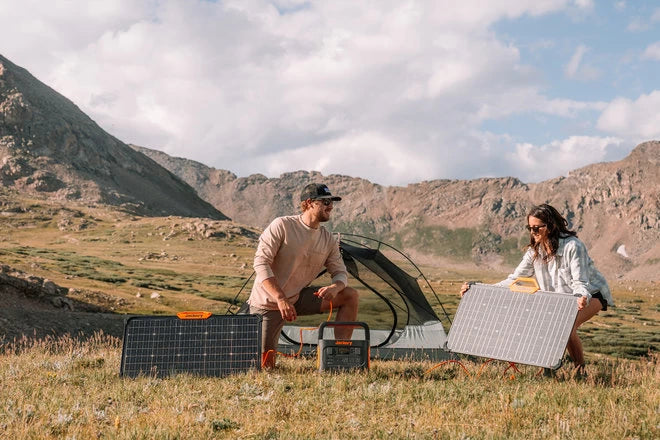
{"x":614,"y":206}
{"x":50,"y":147}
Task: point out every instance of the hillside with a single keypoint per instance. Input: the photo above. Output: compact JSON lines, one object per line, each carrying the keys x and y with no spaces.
{"x":68,"y":267}
{"x":615,"y":207}
{"x":49,"y":146}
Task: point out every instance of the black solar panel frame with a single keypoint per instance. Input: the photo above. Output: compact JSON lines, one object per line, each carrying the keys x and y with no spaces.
{"x":497,"y":323}
{"x":220,"y":345}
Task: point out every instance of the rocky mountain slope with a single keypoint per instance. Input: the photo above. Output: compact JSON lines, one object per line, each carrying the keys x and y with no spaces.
{"x":614,"y":206}
{"x":49,"y":146}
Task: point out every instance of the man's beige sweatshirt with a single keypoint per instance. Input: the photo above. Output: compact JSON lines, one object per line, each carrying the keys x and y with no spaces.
{"x":294,"y":254}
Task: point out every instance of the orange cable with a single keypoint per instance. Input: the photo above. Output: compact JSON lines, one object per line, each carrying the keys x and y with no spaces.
{"x":511,"y":365}
{"x":449,"y":361}
{"x":265,"y":356}
{"x":483,"y":365}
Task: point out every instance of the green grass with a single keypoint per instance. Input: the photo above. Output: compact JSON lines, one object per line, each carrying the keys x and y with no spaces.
{"x":72,"y":264}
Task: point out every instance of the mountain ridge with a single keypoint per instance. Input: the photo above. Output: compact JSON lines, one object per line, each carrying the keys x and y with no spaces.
{"x":610,"y":204}
{"x":49,"y":146}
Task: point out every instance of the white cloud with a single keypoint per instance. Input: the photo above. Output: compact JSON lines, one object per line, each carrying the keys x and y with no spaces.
{"x":42,"y":33}
{"x":576,"y":69}
{"x":655,"y":17}
{"x":357,"y":154}
{"x":573,"y":65}
{"x":557,"y":158}
{"x":394,"y":91}
{"x":638,"y":120}
{"x":652,"y":51}
{"x":584,"y":4}
{"x":570,"y":108}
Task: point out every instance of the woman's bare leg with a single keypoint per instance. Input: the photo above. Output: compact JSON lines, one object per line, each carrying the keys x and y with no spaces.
{"x":574,"y":345}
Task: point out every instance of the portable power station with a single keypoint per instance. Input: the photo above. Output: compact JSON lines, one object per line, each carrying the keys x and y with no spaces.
{"x":343,"y":354}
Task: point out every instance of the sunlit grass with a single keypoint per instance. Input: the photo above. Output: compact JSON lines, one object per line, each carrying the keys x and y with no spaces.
{"x":67,"y":388}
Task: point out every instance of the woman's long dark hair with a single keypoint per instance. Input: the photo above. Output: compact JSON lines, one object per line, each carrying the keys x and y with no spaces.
{"x":557,"y":228}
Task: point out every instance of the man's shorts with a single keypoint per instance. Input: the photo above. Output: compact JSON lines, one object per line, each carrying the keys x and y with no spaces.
{"x":272,"y":323}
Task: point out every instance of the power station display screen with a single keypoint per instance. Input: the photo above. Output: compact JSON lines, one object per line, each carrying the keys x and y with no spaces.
{"x":343,"y":357}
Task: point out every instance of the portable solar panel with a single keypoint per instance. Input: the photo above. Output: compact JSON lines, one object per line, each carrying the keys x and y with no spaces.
{"x":200,"y":344}
{"x":516,"y":326}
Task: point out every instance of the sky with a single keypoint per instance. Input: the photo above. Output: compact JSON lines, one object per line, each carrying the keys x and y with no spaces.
{"x":396,"y":92}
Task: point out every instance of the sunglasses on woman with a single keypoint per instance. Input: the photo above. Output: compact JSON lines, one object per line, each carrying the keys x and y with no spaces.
{"x":535,"y":229}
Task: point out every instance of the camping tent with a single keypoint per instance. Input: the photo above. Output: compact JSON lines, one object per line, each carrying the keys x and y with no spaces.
{"x":402,"y":322}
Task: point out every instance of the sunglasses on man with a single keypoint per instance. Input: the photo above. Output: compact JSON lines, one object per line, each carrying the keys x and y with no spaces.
{"x":326,"y":202}
{"x":535,"y":229}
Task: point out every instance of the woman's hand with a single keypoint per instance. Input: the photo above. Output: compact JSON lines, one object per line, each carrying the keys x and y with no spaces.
{"x":583,"y":302}
{"x":464,"y":288}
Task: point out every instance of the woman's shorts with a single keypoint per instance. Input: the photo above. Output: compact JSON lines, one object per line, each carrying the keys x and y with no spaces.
{"x":602,"y":300}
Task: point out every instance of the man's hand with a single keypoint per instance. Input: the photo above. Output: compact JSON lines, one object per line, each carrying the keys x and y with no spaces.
{"x":287,"y":310}
{"x":329,"y":293}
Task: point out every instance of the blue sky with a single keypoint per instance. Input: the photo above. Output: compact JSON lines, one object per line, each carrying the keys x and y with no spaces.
{"x":393,"y":91}
{"x":608,"y":61}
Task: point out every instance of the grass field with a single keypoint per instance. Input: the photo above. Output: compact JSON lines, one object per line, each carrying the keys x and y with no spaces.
{"x":66,"y":389}
{"x":62,"y":387}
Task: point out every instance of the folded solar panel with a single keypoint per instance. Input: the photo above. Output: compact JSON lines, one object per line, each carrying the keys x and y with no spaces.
{"x":213,"y":346}
{"x":527,"y":328}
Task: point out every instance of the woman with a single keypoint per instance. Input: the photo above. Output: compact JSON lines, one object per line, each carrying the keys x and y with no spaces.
{"x":560,"y":263}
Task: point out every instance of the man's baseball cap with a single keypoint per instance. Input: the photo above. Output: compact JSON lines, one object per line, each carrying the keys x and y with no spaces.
{"x":316,"y":191}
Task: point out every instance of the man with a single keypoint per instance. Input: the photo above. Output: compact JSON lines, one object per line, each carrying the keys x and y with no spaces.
{"x":291,"y":253}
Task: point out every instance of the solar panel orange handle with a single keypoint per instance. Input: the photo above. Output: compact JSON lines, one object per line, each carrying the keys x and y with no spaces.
{"x":193,"y":315}
{"x":526,"y":285}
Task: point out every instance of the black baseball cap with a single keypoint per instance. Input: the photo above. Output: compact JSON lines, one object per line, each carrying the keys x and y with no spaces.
{"x":316,"y":191}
